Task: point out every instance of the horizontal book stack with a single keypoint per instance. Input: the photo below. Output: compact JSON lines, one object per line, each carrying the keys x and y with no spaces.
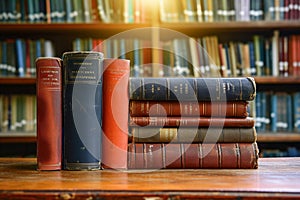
{"x":191,"y":123}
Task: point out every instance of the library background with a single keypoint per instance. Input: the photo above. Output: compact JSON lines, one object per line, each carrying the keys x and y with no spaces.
{"x":257,"y":38}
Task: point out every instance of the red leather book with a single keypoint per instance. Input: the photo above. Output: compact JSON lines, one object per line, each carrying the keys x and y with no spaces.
{"x":293,"y":64}
{"x":49,"y":113}
{"x":193,"y":156}
{"x":115,"y":113}
{"x":175,"y":108}
{"x":192,"y":134}
{"x":191,"y":121}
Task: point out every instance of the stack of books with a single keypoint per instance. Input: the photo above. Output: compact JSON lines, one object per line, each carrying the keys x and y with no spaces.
{"x":191,"y":123}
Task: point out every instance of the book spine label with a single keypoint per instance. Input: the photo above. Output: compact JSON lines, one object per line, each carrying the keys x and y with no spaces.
{"x":49,"y":113}
{"x":115,"y":109}
{"x":193,"y":156}
{"x":82,"y":110}
{"x":192,"y":89}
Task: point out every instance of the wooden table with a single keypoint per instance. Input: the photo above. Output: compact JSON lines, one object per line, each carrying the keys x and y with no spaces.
{"x":276,"y":177}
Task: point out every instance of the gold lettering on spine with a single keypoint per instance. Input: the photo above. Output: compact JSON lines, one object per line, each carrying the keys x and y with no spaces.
{"x":168,"y":134}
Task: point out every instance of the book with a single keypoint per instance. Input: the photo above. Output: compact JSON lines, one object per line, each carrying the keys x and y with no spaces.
{"x":192,"y":89}
{"x":192,"y":134}
{"x":82,"y":109}
{"x":115,"y":109}
{"x":192,"y":156}
{"x":49,"y":113}
{"x":186,"y":108}
{"x":191,"y":121}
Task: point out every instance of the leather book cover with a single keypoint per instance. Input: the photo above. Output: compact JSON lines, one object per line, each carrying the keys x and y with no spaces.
{"x":82,"y":109}
{"x":191,"y":121}
{"x":192,"y":89}
{"x":49,"y":113}
{"x":192,"y":135}
{"x":115,"y":112}
{"x":186,"y":108}
{"x":193,"y":156}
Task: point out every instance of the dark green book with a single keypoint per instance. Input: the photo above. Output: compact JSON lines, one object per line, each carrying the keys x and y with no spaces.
{"x":192,"y":89}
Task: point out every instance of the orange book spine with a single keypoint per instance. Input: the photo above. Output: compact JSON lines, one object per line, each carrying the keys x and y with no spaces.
{"x":174,"y":108}
{"x":193,"y":156}
{"x":49,"y":113}
{"x":115,"y":113}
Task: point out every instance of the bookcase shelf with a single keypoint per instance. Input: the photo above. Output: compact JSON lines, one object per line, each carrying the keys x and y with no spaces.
{"x":80,"y":29}
{"x":278,"y":137}
{"x":240,"y":26}
{"x":17,"y":81}
{"x":17,"y":138}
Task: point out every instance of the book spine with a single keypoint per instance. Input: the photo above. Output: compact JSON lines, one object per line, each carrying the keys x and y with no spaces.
{"x":49,"y":113}
{"x":115,"y":109}
{"x":192,"y":89}
{"x":173,"y":108}
{"x":82,"y":109}
{"x":192,"y":135}
{"x":191,"y":121}
{"x":193,"y":156}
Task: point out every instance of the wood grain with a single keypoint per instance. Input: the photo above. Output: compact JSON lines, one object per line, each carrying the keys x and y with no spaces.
{"x":275,"y":177}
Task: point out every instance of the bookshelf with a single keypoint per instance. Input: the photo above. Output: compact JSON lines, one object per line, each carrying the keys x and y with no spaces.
{"x":62,"y":35}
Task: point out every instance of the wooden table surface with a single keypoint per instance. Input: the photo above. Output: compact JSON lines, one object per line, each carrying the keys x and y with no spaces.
{"x":275,"y":177}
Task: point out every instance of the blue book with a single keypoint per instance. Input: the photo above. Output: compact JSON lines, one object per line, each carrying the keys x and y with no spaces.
{"x":273,"y":112}
{"x":136,"y":58}
{"x":296,"y":109}
{"x":189,"y":89}
{"x":289,"y":112}
{"x":122,"y":49}
{"x":82,"y":113}
{"x":30,"y":10}
{"x":69,"y":11}
{"x":20,"y":49}
{"x":258,"y":107}
{"x":264,"y":117}
{"x":252,"y":59}
{"x":4,"y":58}
{"x":38,"y":49}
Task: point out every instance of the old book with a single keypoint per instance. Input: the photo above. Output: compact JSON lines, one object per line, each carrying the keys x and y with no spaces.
{"x":186,"y":108}
{"x":49,"y":113}
{"x":82,"y":114}
{"x":193,"y":156}
{"x":191,"y":121}
{"x":192,"y":134}
{"x":192,"y":89}
{"x":115,"y":112}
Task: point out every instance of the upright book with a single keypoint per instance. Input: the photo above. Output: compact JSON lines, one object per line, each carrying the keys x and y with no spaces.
{"x":192,"y":89}
{"x":115,"y":112}
{"x":82,"y":109}
{"x":49,"y":113}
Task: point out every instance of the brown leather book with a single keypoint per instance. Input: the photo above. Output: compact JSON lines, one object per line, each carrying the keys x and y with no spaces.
{"x":49,"y":113}
{"x":193,"y":156}
{"x":191,"y":121}
{"x":175,"y":108}
{"x":115,"y":113}
{"x":192,"y":135}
